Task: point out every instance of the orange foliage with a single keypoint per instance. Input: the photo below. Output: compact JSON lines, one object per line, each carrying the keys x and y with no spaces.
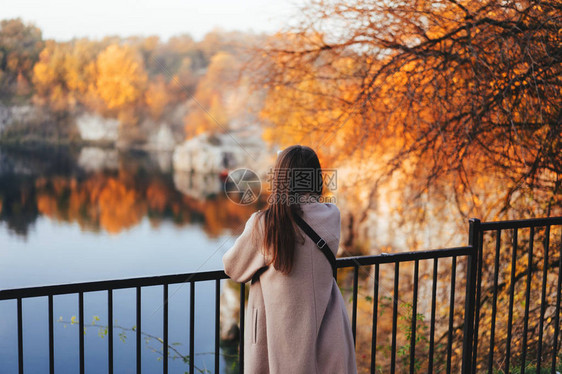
{"x":157,"y":97}
{"x":117,"y":203}
{"x":48,"y":76}
{"x":210,"y":112}
{"x":449,"y":104}
{"x":120,"y":76}
{"x":129,"y":79}
{"x":118,"y":206}
{"x":157,"y":196}
{"x":47,"y":205}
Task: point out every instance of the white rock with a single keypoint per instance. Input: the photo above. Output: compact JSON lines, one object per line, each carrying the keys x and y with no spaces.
{"x":10,"y":115}
{"x":214,"y":153}
{"x":163,"y":140}
{"x":97,"y":159}
{"x":96,"y":128}
{"x":197,"y":185}
{"x":163,"y":159}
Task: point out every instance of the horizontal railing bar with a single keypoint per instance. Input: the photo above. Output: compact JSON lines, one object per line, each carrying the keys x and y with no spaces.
{"x":522,"y":223}
{"x":111,"y":284}
{"x":387,"y":258}
{"x":216,"y":274}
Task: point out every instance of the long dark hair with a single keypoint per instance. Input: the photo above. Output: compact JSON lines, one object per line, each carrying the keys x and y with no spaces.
{"x":297,"y":173}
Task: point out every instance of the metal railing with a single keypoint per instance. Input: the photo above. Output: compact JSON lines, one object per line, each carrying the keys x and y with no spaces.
{"x":471,"y":310}
{"x":416,"y":258}
{"x":519,"y":249}
{"x":110,"y":286}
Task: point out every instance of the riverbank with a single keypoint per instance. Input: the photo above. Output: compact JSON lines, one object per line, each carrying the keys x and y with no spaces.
{"x":30,"y":126}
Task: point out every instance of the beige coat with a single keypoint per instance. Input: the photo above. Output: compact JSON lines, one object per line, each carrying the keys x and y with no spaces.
{"x":295,"y":323}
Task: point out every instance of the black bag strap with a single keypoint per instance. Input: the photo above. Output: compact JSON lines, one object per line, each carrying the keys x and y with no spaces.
{"x":257,"y":274}
{"x":320,"y":243}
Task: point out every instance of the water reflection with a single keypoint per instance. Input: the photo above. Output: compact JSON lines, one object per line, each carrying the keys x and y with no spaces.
{"x":96,"y":159}
{"x":92,"y":214}
{"x":110,"y":191}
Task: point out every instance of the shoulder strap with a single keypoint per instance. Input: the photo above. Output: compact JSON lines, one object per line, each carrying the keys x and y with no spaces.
{"x":320,"y":243}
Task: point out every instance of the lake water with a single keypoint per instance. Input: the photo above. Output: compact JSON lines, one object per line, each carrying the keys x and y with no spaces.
{"x":75,"y":215}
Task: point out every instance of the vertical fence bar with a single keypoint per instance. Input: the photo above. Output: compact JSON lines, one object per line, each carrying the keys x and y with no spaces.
{"x":110,"y":330}
{"x":557,"y":311}
{"x":138,"y":327}
{"x":478,"y":296}
{"x":375,"y":312}
{"x":51,"y":337}
{"x":414,"y":318}
{"x":354,"y":309}
{"x":432,"y":322}
{"x":543,"y":296}
{"x":191,"y":327}
{"x":451,"y":312}
{"x":394,"y":317}
{"x":81,"y":329}
{"x":511,"y":300}
{"x":468,"y":331}
{"x":527,"y":299}
{"x":494,"y":301}
{"x":165,"y":328}
{"x":20,"y":335}
{"x":242,"y":306}
{"x":217,"y":322}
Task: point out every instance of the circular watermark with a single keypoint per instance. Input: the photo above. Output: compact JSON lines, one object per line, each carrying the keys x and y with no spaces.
{"x":242,"y":186}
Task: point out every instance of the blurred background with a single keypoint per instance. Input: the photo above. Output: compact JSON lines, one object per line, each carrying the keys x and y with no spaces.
{"x":119,"y":121}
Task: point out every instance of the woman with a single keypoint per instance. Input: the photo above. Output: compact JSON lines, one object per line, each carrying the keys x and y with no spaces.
{"x":296,"y":319}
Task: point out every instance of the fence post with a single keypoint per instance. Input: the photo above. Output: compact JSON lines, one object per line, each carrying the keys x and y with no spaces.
{"x":468,"y":329}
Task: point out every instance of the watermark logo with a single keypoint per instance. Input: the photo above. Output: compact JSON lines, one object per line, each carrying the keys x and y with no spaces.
{"x":302,"y":179}
{"x":242,"y":186}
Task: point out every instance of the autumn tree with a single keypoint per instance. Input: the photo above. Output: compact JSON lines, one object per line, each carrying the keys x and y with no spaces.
{"x":126,"y":78}
{"x":461,"y":97}
{"x":80,"y":69}
{"x":120,"y":80}
{"x":157,"y":97}
{"x":209,"y":107}
{"x":20,"y":45}
{"x":49,"y":76}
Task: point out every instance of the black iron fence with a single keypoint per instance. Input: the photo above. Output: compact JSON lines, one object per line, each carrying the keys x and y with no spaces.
{"x":452,"y":339}
{"x":517,"y":298}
